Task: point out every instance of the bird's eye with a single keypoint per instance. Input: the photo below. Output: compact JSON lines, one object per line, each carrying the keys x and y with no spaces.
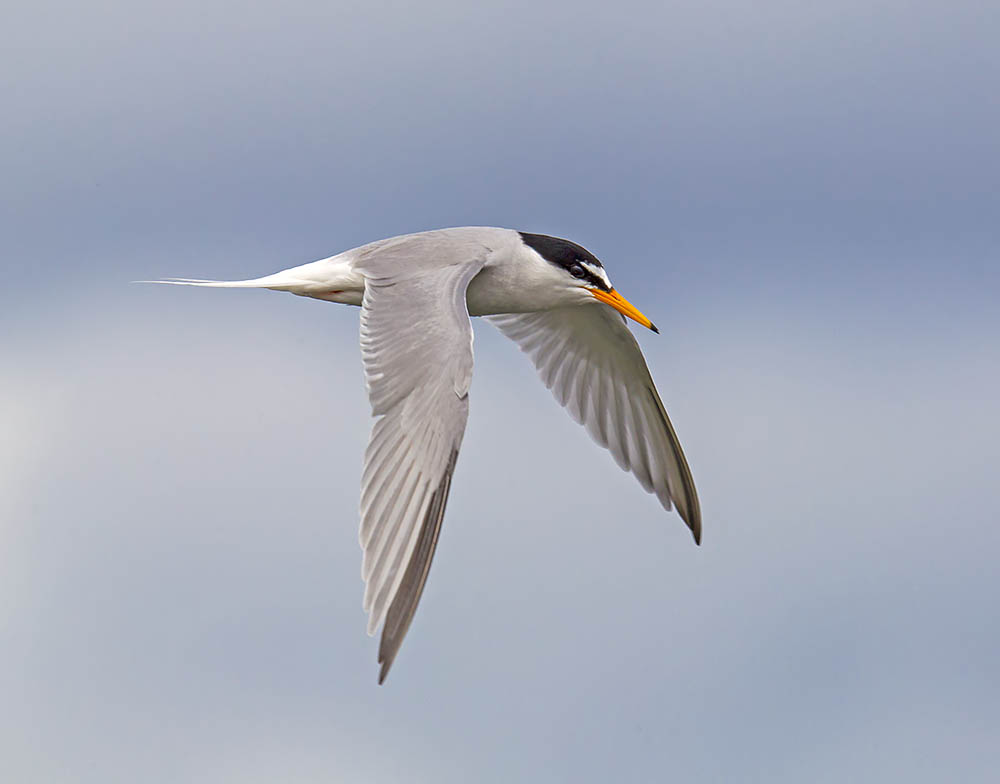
{"x":576,"y":271}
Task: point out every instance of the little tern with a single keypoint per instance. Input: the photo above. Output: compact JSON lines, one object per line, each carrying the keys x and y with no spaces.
{"x":416,"y":292}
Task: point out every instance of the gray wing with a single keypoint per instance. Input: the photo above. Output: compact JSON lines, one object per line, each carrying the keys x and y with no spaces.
{"x":592,"y":363}
{"x":416,"y":343}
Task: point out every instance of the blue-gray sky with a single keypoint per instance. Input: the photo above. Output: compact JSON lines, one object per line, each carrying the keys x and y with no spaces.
{"x":804,"y":198}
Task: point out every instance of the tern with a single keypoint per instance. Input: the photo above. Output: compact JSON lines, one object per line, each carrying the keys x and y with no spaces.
{"x":417,"y":292}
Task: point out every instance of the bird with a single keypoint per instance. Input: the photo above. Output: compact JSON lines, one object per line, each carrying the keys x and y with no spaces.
{"x":417,"y":292}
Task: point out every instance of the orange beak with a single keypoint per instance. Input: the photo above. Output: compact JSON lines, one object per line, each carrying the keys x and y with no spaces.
{"x":623,"y":306}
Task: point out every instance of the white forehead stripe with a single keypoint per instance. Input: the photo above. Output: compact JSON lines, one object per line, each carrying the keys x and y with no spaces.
{"x":597,"y":272}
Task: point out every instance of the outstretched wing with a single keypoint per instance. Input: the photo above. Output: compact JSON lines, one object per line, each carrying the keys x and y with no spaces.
{"x":592,"y":363}
{"x":416,"y":342}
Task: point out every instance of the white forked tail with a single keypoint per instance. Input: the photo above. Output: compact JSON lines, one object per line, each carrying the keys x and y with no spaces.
{"x":331,"y":279}
{"x":279,"y":281}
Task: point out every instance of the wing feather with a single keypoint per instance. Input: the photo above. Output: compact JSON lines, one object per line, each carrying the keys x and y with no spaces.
{"x":591,"y":362}
{"x":416,"y":343}
{"x":401,"y":611}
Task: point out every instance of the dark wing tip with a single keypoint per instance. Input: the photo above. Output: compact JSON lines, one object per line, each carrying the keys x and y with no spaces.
{"x":404,"y":605}
{"x":388,"y":648}
{"x":386,"y":656}
{"x":692,"y":514}
{"x":686,"y":497}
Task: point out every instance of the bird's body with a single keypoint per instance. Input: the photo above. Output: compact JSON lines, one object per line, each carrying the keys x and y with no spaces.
{"x":416,"y":292}
{"x":513,"y":278}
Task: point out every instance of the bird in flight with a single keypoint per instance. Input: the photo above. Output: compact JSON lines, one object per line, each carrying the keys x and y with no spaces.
{"x":416,"y":292}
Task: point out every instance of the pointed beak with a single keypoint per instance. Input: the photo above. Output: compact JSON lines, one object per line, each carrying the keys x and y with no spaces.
{"x":623,"y":306}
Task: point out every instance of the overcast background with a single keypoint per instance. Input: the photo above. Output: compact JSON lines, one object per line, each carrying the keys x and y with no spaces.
{"x":803,"y":196}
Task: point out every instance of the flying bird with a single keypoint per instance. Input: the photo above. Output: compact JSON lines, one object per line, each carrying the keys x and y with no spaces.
{"x":416,"y":292}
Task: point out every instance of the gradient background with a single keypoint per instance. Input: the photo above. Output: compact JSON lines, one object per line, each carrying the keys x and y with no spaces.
{"x":803,"y":196}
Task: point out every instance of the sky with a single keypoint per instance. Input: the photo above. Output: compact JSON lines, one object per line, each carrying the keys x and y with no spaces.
{"x":803,"y":197}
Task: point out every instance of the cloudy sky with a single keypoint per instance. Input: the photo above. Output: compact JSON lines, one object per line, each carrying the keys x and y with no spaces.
{"x":804,"y":197}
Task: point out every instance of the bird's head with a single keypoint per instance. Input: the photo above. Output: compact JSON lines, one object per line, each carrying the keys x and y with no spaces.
{"x":581,"y":276}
